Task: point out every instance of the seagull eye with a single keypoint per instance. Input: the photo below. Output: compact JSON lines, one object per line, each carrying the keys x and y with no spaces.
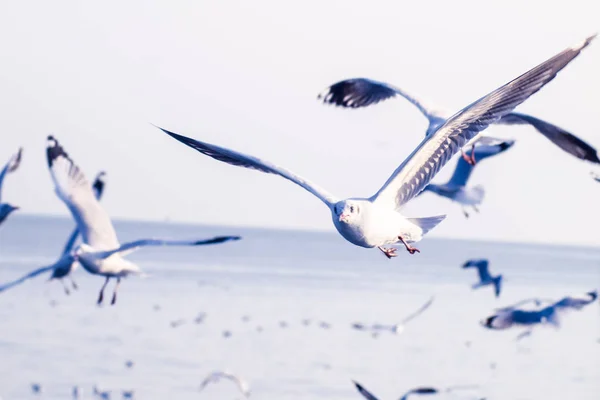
{"x":351,"y":209}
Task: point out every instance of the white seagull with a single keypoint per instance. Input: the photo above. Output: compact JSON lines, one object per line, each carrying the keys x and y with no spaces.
{"x":66,"y":264}
{"x":362,"y":92}
{"x":416,"y":391}
{"x":100,"y":253}
{"x":485,"y":278}
{"x":396,"y":328}
{"x":11,"y":166}
{"x":456,"y":188}
{"x":376,"y":221}
{"x":216,"y":376}
{"x":510,"y":316}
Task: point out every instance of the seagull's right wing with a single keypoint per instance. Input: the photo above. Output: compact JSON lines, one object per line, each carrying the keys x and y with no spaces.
{"x":437,"y":149}
{"x":561,"y":138}
{"x":98,"y":188}
{"x":242,"y":160}
{"x":362,"y":92}
{"x":132,"y":246}
{"x":30,"y":275}
{"x":75,"y":191}
{"x":366,"y":394}
{"x":10,"y":166}
{"x":420,"y":391}
{"x":419,"y":311}
{"x":482,"y":150}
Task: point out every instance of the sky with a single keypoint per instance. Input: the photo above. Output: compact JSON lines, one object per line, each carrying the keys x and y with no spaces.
{"x":245,"y":75}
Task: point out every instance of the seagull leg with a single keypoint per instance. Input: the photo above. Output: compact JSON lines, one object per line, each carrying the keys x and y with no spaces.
{"x":475,"y":208}
{"x":389,"y":252}
{"x":67,"y":292}
{"x":73,"y":283}
{"x":101,"y":296}
{"x":469,"y":159}
{"x":465,"y":212}
{"x":114,"y":298}
{"x":409,"y":248}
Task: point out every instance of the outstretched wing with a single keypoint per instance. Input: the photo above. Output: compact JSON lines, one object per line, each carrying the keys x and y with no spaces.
{"x":30,"y":275}
{"x":366,"y":394}
{"x":10,"y":166}
{"x":218,"y":375}
{"x":242,"y":160}
{"x":419,"y":311}
{"x":98,"y":188}
{"x":75,"y":191}
{"x":482,"y":151}
{"x":363,"y":92}
{"x":437,"y":149}
{"x":561,"y":138}
{"x":132,"y":246}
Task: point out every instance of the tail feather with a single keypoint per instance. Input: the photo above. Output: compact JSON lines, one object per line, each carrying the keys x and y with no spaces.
{"x":427,"y":223}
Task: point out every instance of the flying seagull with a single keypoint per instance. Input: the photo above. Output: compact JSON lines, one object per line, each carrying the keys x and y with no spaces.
{"x":376,"y":221}
{"x":416,"y":391}
{"x":362,"y":92}
{"x":456,"y":188}
{"x":485,"y":278}
{"x":11,"y":166}
{"x":100,"y":253}
{"x":216,"y":376}
{"x":396,"y":328}
{"x":509,"y":317}
{"x":66,"y":264}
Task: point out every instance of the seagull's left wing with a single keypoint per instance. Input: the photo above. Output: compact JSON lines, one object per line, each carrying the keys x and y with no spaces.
{"x":419,"y":311}
{"x":132,"y":246}
{"x":10,"y":166}
{"x":22,"y":279}
{"x":366,"y":394}
{"x":437,"y":149}
{"x":561,"y":138}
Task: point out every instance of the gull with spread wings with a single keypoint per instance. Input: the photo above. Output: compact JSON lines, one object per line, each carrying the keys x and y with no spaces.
{"x":376,"y":221}
{"x":485,"y":278}
{"x":216,"y":376}
{"x":100,"y":252}
{"x":456,"y":188}
{"x":416,"y":391}
{"x":11,"y":166}
{"x":363,"y":92}
{"x":66,"y":264}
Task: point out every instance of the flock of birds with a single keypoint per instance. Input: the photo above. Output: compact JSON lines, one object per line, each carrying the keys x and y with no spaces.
{"x":373,"y":222}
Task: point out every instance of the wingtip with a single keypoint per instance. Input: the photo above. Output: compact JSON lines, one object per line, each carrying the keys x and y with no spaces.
{"x":586,"y":42}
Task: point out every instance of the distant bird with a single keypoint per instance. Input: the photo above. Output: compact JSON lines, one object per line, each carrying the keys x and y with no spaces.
{"x":177,"y":323}
{"x":200,"y":318}
{"x":66,"y":264}
{"x":216,"y":376}
{"x":283,"y":324}
{"x":456,"y":188}
{"x":36,"y":388}
{"x":416,"y":391}
{"x":363,"y":92}
{"x":376,"y":221}
{"x":129,"y":364}
{"x":127,"y":394}
{"x":100,"y":253}
{"x":226,"y":334}
{"x":485,"y":278}
{"x":11,"y":166}
{"x":595,"y":176}
{"x":324,"y":325}
{"x":76,"y":393}
{"x":396,"y":328}
{"x":509,"y":317}
{"x":103,"y":394}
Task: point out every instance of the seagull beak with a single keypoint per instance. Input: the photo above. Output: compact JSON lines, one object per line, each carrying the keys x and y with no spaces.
{"x":343,"y":217}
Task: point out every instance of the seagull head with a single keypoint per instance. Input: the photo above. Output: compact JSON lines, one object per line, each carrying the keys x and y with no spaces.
{"x":347,"y":211}
{"x":82,"y":249}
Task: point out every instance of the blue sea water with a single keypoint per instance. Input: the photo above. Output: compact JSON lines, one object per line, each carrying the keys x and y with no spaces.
{"x":272,"y":276}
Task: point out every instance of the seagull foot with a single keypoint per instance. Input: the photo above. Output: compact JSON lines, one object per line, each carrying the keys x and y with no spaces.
{"x":114,"y":299}
{"x":389,"y":252}
{"x":100,"y":298}
{"x":469,"y":159}
{"x":409,"y":248}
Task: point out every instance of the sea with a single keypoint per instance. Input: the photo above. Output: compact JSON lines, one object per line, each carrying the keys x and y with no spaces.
{"x":276,"y":309}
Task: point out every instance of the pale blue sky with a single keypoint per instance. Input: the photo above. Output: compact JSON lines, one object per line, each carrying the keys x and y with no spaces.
{"x":246,"y":74}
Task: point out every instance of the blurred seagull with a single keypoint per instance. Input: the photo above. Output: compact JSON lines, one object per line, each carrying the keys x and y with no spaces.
{"x":100,"y":253}
{"x":416,"y":391}
{"x":66,"y":263}
{"x":509,"y":317}
{"x":396,"y":328}
{"x":11,"y":166}
{"x":455,"y":189}
{"x":485,"y":278}
{"x":362,"y":92}
{"x":216,"y":376}
{"x":376,"y":221}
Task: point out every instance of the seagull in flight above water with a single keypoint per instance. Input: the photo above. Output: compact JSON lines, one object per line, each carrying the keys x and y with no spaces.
{"x":456,"y":188}
{"x":11,"y":166}
{"x":416,"y":391}
{"x":363,"y":92}
{"x":485,"y":278}
{"x":376,"y":221}
{"x":216,"y":376}
{"x":100,"y":253}
{"x":66,"y":264}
